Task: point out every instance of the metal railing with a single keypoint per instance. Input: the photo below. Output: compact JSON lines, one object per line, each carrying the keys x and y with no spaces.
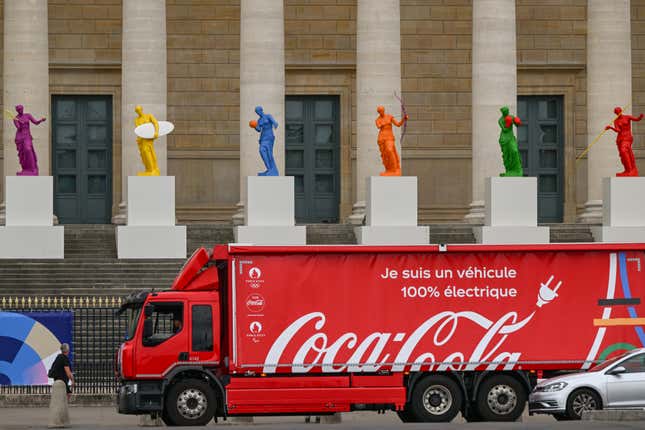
{"x":96,"y":335}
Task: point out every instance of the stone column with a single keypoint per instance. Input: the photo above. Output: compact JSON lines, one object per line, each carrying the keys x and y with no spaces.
{"x":26,"y":80}
{"x":143,"y":82}
{"x":494,"y":84}
{"x":609,"y":84}
{"x":378,"y":76}
{"x":261,"y":84}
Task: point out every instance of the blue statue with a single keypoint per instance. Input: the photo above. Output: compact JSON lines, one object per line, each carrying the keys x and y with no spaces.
{"x":265,"y":125}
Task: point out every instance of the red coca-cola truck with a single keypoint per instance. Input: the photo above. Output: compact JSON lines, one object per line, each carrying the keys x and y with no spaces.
{"x":427,"y":331}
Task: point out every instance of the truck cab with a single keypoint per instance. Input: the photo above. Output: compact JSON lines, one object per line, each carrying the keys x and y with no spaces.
{"x":172,"y":347}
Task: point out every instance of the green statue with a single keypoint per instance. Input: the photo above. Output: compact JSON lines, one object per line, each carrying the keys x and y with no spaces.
{"x":508,"y":143}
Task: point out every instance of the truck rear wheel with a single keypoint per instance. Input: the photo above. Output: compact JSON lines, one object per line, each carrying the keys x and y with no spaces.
{"x":436,"y":398}
{"x":501,"y":398}
{"x":190,"y":402}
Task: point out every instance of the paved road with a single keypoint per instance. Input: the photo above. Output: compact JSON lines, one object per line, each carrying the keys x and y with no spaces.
{"x":94,"y":417}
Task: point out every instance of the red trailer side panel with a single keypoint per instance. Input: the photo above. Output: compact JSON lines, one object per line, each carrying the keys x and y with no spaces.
{"x":368,"y":309}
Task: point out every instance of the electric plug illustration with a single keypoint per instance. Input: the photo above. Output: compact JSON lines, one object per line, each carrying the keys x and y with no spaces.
{"x":546,"y":294}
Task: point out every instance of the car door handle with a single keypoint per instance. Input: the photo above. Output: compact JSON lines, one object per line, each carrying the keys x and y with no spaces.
{"x":183,"y":356}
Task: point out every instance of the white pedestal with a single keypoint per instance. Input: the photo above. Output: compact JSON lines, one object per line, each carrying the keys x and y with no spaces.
{"x":391,"y":213}
{"x":29,"y":231}
{"x":510,"y":213}
{"x":29,"y":200}
{"x":151,"y":200}
{"x":623,"y":213}
{"x":156,"y":241}
{"x":270,"y":213}
{"x":618,"y":234}
{"x":151,"y":231}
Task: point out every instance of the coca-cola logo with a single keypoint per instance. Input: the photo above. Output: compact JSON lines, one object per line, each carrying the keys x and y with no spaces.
{"x":396,"y":351}
{"x":255,"y":302}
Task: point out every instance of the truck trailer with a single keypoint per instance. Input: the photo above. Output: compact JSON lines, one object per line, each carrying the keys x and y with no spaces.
{"x":426,"y":331}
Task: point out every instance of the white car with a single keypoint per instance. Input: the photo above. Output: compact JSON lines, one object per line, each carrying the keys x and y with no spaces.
{"x":618,"y":383}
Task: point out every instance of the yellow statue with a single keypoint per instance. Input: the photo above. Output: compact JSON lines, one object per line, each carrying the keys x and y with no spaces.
{"x":146,"y":146}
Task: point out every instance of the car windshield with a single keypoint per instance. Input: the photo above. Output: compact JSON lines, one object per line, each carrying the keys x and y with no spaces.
{"x":132,"y":314}
{"x":608,"y":363}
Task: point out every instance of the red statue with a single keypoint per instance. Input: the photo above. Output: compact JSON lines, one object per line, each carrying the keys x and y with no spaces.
{"x":624,"y":140}
{"x":386,"y":144}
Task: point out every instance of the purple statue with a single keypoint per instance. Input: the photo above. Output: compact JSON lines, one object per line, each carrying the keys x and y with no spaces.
{"x":24,"y":142}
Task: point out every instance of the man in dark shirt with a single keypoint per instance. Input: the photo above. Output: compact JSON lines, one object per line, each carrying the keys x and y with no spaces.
{"x":61,"y":368}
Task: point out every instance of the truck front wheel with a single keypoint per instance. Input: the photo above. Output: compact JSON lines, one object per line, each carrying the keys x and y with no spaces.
{"x":501,"y":398}
{"x":190,"y":402}
{"x":436,"y":398}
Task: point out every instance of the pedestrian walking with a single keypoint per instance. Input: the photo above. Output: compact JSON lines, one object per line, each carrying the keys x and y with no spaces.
{"x":61,"y":373}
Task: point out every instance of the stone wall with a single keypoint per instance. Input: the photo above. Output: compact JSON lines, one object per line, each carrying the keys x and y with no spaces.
{"x":436,"y":42}
{"x":84,"y":31}
{"x":203,"y":102}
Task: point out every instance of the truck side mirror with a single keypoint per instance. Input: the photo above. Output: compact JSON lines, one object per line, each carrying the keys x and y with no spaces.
{"x":617,"y":370}
{"x":148,"y":310}
{"x":147,"y":328}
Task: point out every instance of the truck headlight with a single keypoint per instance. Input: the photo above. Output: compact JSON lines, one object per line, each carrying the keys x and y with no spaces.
{"x":555,"y":386}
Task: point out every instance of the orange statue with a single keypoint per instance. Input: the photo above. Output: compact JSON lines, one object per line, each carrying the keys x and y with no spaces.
{"x":386,"y":144}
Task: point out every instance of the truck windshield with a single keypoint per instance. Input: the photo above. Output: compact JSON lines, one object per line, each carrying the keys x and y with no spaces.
{"x":132,"y":318}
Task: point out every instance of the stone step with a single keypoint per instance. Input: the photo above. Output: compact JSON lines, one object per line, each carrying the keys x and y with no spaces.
{"x":451,"y":233}
{"x":91,"y":266}
{"x":562,"y":233}
{"x":328,"y":234}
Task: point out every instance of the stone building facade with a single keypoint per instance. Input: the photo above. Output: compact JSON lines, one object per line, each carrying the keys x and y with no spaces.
{"x":319,"y":66}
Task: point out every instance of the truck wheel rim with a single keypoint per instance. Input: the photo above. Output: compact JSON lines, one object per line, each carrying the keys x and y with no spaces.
{"x":437,"y":399}
{"x":583,"y":402}
{"x":502,"y":399}
{"x":191,"y":404}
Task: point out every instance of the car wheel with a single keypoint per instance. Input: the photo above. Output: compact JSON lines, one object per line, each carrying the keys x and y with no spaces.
{"x":435,"y":398}
{"x":580,"y":401}
{"x":501,"y":398}
{"x":190,"y":403}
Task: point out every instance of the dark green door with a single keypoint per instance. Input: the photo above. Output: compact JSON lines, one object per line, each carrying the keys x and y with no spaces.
{"x":541,"y":144}
{"x":313,"y":156}
{"x":82,"y":158}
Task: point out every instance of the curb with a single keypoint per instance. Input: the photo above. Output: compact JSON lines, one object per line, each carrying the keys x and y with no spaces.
{"x":615,"y":415}
{"x":42,"y":400}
